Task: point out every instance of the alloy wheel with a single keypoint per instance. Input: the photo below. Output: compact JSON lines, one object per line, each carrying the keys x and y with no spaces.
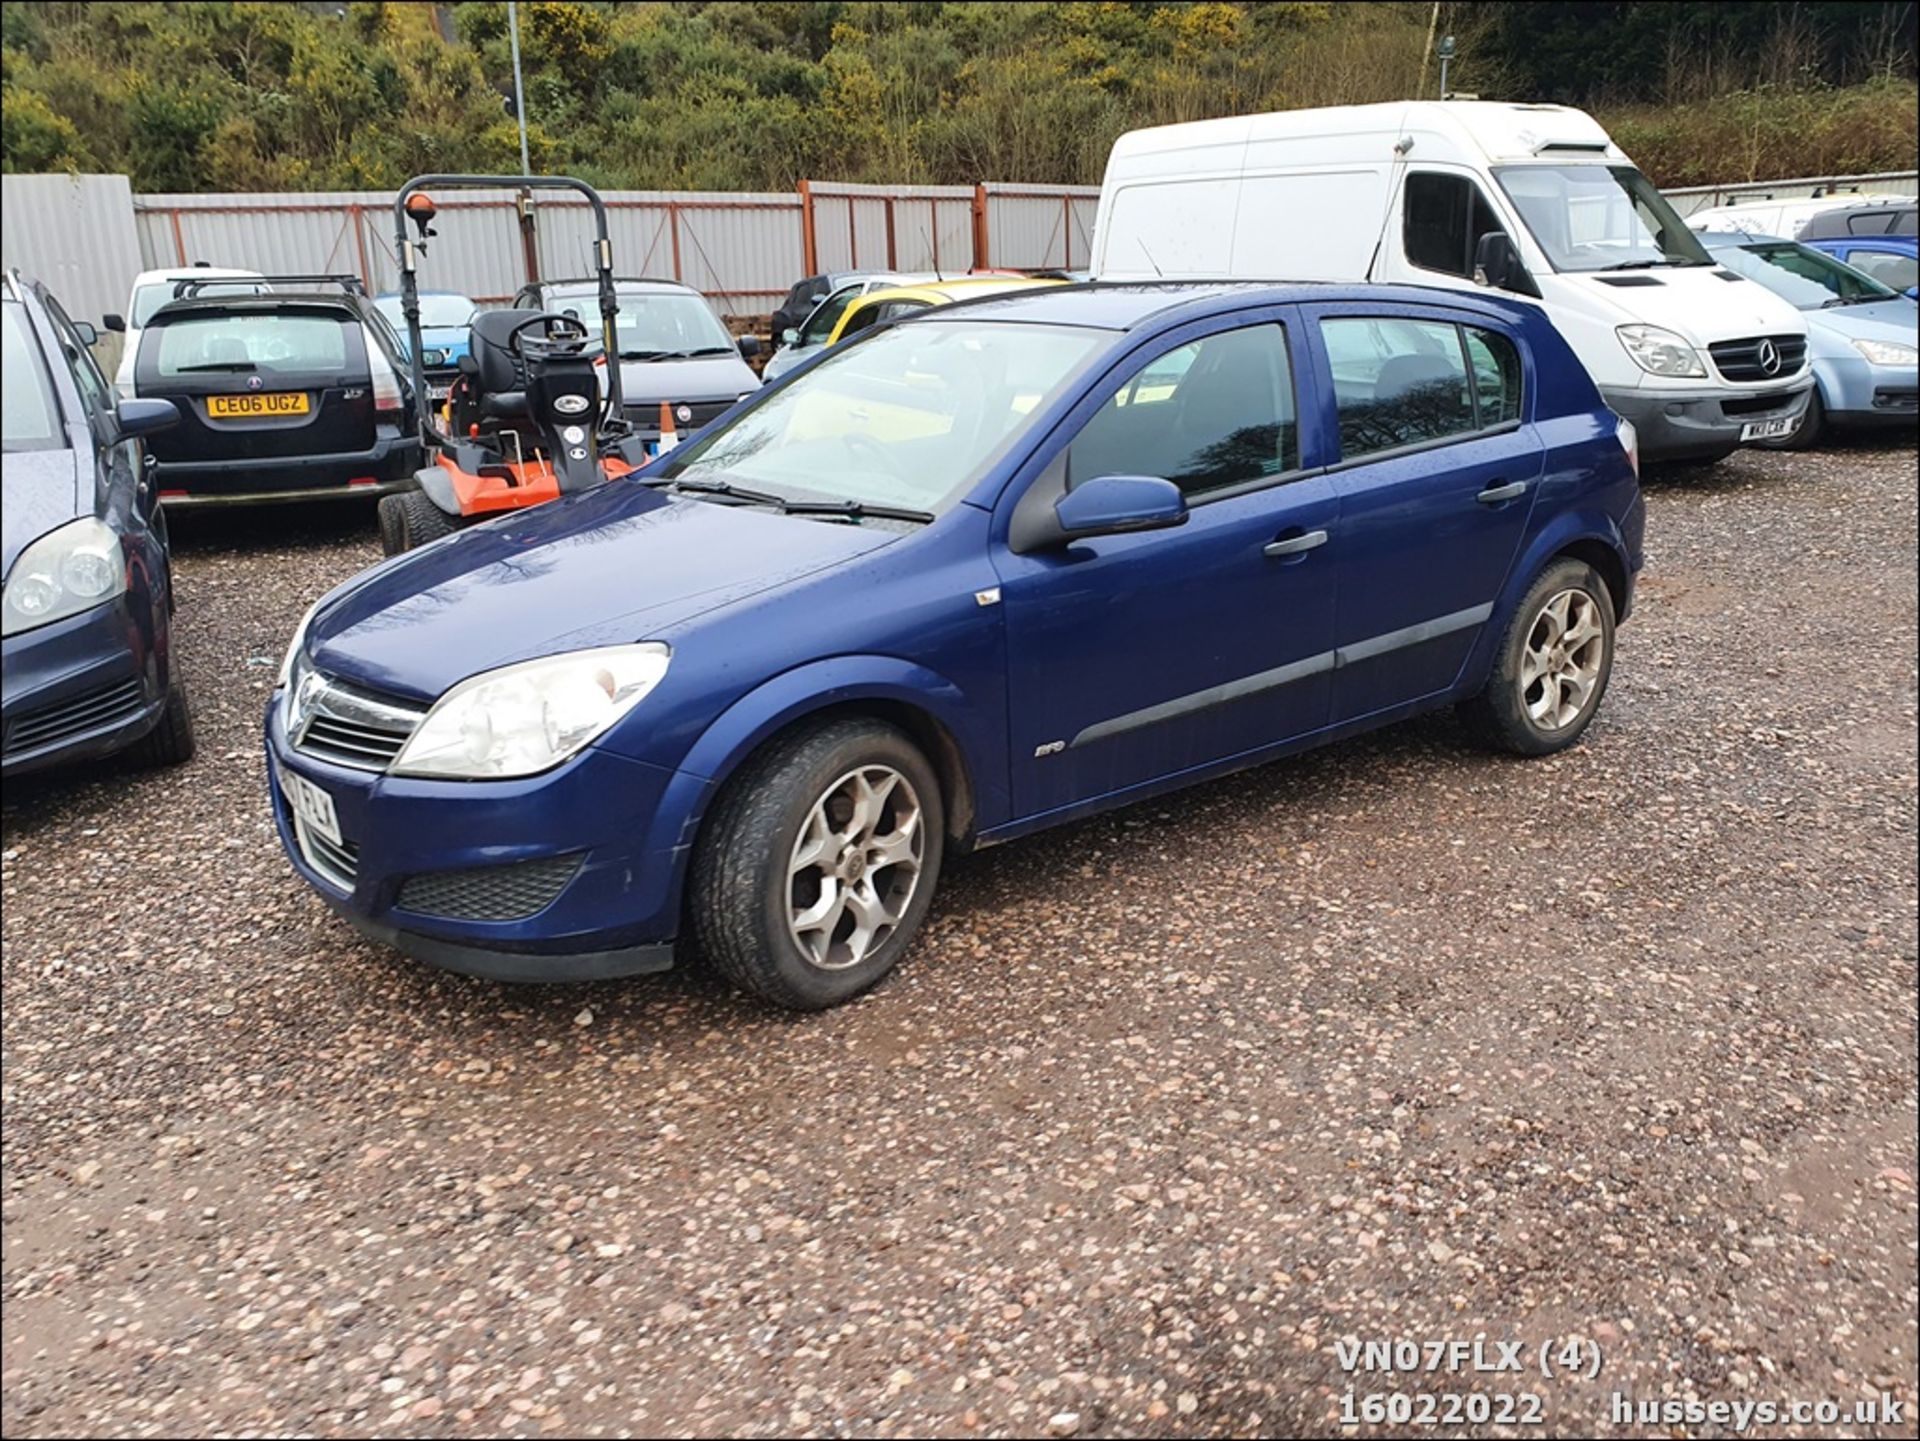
{"x":1564,"y":657}
{"x":855,"y":866}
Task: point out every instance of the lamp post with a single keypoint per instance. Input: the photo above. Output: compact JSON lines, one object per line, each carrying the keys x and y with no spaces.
{"x":1445,"y":53}
{"x":520,"y":99}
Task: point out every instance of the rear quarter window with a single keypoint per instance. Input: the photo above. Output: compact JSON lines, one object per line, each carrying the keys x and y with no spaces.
{"x":271,"y":344}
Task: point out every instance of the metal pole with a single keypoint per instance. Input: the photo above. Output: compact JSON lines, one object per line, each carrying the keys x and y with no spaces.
{"x":519,"y":92}
{"x":1443,"y":77}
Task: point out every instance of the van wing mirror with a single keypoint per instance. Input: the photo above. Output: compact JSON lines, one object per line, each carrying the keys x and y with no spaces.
{"x":114,"y":321}
{"x":1497,"y":263}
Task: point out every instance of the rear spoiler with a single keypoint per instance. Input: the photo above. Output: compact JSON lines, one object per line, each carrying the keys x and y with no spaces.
{"x":187,"y":289}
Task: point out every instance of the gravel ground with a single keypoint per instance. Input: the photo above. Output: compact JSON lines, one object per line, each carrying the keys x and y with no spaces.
{"x":1394,"y":1040}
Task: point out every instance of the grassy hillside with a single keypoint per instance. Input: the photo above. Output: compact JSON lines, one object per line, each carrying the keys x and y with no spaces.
{"x":220,"y":95}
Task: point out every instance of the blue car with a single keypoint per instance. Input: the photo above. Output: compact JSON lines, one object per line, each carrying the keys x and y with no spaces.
{"x":86,"y":645}
{"x":1861,"y":336}
{"x":446,"y":321}
{"x":999,"y":566}
{"x":1893,"y":260}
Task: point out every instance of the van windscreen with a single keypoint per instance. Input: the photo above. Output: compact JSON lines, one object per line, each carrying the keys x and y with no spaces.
{"x":1599,"y":217}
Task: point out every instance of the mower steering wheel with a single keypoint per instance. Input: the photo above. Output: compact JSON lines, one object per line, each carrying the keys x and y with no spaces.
{"x":559,"y":329}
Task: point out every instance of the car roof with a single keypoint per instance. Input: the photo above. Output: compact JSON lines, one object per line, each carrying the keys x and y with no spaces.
{"x":589,"y":285}
{"x":1724,"y":239}
{"x":276,"y":300}
{"x":1129,"y":305}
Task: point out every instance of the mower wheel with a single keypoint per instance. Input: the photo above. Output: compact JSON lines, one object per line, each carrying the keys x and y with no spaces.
{"x":410,"y":520}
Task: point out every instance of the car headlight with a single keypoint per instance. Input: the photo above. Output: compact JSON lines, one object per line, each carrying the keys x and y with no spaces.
{"x":66,"y":571}
{"x":293,"y":647}
{"x":1661,"y":352}
{"x":526,"y":718}
{"x":1887,"y":352}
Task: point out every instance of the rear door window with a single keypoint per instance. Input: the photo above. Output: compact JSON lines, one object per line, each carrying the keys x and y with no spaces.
{"x":1398,"y":382}
{"x":271,"y":344}
{"x":1218,"y":412}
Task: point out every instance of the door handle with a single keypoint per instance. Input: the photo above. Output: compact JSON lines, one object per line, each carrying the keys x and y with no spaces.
{"x":1494,"y":494}
{"x":1296,"y":544}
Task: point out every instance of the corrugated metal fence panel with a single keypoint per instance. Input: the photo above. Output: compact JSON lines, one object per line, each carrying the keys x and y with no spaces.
{"x":1689,"y":199}
{"x":741,"y":249}
{"x":1032,"y":227}
{"x":76,"y":235}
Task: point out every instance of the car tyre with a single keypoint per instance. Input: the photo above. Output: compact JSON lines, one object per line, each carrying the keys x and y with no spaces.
{"x":1552,"y":665}
{"x":1805,"y":435}
{"x":170,"y":742}
{"x":818,"y":864}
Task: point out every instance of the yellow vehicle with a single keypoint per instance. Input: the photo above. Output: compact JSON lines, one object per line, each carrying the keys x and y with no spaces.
{"x":878,"y":305}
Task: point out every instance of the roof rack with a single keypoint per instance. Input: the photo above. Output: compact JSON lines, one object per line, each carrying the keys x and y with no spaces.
{"x":187,"y":289}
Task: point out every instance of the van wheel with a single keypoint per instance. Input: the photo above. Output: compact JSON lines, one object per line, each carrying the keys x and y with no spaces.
{"x":818,"y":864}
{"x":170,"y":742}
{"x":412,"y":521}
{"x":1552,"y":666}
{"x":1805,"y":435}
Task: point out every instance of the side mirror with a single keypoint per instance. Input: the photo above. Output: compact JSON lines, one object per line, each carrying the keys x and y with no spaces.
{"x":1119,"y":505}
{"x":113,"y":322}
{"x":790,"y":336}
{"x":88,"y":335}
{"x":1497,"y":263}
{"x":749,"y":346}
{"x":1912,"y":292}
{"x":135,"y":417}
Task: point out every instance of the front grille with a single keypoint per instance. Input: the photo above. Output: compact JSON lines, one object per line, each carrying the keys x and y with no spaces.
{"x":339,"y":863}
{"x":91,"y":710}
{"x":348,"y":726}
{"x":1740,"y":359}
{"x":1758,"y":404}
{"x":490,"y":893}
{"x":645,"y":416}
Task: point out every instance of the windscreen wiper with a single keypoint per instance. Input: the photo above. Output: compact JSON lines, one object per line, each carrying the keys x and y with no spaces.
{"x":1664,"y":260}
{"x":731,"y":491}
{"x":856,"y":510}
{"x":1852,"y":300}
{"x":229,"y":365}
{"x":675,"y":354}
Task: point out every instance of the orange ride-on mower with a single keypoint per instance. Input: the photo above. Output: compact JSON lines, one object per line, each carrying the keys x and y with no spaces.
{"x":526,"y":419}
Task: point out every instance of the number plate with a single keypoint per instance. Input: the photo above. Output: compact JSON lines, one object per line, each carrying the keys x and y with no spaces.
{"x":254,"y":407}
{"x":439,"y":392}
{"x":312,"y":806}
{"x":1769,"y":429}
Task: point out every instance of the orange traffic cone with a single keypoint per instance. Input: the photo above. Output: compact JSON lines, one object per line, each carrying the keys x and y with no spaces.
{"x":669,"y":437}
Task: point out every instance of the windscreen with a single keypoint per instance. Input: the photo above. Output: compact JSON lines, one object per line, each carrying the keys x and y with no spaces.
{"x":278,"y":342}
{"x":1802,"y":276}
{"x":908,"y":417}
{"x":1599,"y":217}
{"x":437,"y":312}
{"x":29,"y":419}
{"x":654,"y":325}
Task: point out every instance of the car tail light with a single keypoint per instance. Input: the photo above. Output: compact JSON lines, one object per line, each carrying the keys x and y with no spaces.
{"x":1629,"y":442}
{"x":386,"y":385}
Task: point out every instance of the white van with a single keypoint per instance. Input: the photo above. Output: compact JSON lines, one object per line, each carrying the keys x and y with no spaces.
{"x":153,"y":289}
{"x":1533,"y":199}
{"x":1784,"y":218}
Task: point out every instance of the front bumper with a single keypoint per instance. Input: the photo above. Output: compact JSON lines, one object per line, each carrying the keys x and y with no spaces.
{"x":629,"y":823}
{"x":80,"y":688}
{"x":1701,"y":424}
{"x":383,"y":468}
{"x":1861,"y":395}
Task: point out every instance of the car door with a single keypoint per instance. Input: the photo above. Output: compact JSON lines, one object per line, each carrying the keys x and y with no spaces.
{"x":1436,"y":471}
{"x":1136,"y":657}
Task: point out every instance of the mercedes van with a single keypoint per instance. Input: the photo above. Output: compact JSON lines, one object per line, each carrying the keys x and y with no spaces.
{"x":1534,"y":200}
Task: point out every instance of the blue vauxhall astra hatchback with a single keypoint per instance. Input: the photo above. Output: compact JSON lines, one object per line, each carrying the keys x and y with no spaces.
{"x":997,"y":567}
